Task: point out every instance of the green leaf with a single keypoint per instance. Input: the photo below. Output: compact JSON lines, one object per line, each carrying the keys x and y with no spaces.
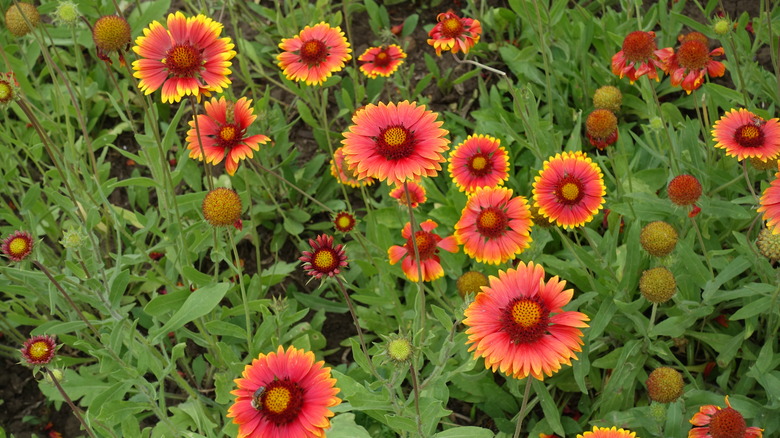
{"x":549,"y":407}
{"x":465,"y":432}
{"x":344,"y":426}
{"x":199,"y":303}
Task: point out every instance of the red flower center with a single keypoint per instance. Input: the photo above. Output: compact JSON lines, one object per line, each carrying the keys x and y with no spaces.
{"x":569,"y":191}
{"x":749,"y":136}
{"x":492,"y":222}
{"x":228,"y":135}
{"x":639,"y":46}
{"x":480,"y":165}
{"x":313,"y":52}
{"x":525,"y":320}
{"x":426,"y":244}
{"x":451,"y":27}
{"x":344,"y":222}
{"x":183,"y":60}
{"x":325,"y":260}
{"x":382,"y":59}
{"x":395,"y":143}
{"x":727,"y":423}
{"x":281,"y":401}
{"x":693,"y":55}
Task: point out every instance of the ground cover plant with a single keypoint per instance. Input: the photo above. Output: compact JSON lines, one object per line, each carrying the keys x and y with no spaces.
{"x":390,"y":219}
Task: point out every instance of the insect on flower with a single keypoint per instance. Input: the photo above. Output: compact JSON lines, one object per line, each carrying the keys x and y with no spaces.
{"x":257,"y":398}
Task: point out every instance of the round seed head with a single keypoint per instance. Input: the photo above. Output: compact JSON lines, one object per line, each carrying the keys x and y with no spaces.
{"x":111,"y":33}
{"x":657,"y":285}
{"x":769,"y":244}
{"x":658,"y":238}
{"x":684,"y":190}
{"x":471,"y":283}
{"x":14,"y":18}
{"x":665,"y":385}
{"x":222,"y":207}
{"x":608,"y":97}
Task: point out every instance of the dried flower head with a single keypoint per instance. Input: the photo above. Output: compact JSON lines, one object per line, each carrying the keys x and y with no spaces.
{"x":471,"y":283}
{"x":601,"y":128}
{"x":9,"y":88}
{"x":658,"y":238}
{"x":664,"y":385}
{"x":608,"y":97}
{"x":684,"y":190}
{"x":222,"y":207}
{"x":15,"y":18}
{"x":657,"y":285}
{"x":111,"y":33}
{"x":769,"y":244}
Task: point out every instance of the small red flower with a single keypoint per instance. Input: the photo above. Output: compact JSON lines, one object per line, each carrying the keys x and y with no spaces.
{"x":454,"y":33}
{"x":601,"y":128}
{"x":154,"y":255}
{"x":39,"y":350}
{"x":716,"y":422}
{"x":428,"y":245}
{"x":416,"y":193}
{"x":18,"y":245}
{"x":684,"y":190}
{"x":344,"y":222}
{"x":381,"y":61}
{"x":324,"y":258}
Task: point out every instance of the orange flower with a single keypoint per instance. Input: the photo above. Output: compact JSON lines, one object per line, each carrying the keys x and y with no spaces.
{"x":428,"y":245}
{"x":395,"y":142}
{"x":186,"y":59}
{"x":770,"y":205}
{"x":717,"y":422}
{"x":454,"y":33}
{"x":479,"y":161}
{"x":340,"y":171}
{"x":690,"y":63}
{"x":314,"y":54}
{"x":223,"y":133}
{"x":381,"y":61}
{"x":284,"y":394}
{"x":518,"y":324}
{"x":494,"y":226}
{"x":745,"y":135}
{"x":569,"y":189}
{"x":640,"y":56}
{"x":416,"y":193}
{"x":603,"y":432}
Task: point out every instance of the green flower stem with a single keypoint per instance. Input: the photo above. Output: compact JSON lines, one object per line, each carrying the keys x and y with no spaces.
{"x":478,"y":64}
{"x":672,"y":153}
{"x":521,"y":415}
{"x":570,"y":246}
{"x":67,"y":298}
{"x":74,"y":408}
{"x":545,"y":58}
{"x":748,"y":182}
{"x":351,"y":307}
{"x":323,"y":118}
{"x":237,"y":266}
{"x":652,"y":320}
{"x":206,"y":165}
{"x":420,"y":321}
{"x":703,"y":248}
{"x":416,"y":386}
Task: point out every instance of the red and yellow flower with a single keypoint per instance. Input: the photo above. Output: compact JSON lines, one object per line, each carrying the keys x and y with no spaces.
{"x":494,"y":226}
{"x":395,"y":142}
{"x":770,"y":205}
{"x":454,"y":33}
{"x":324,"y":258}
{"x":745,"y":135}
{"x":186,"y":59}
{"x":344,"y":222}
{"x":18,"y":245}
{"x":284,"y":394}
{"x":479,"y":161}
{"x":39,"y":350}
{"x":603,"y":432}
{"x":314,"y":54}
{"x":428,"y":245}
{"x":569,"y":189}
{"x":639,"y":56}
{"x":416,"y":193}
{"x":381,"y":61}
{"x":601,"y":128}
{"x":692,"y":60}
{"x":518,"y":324}
{"x":223,"y":133}
{"x":716,"y":422}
